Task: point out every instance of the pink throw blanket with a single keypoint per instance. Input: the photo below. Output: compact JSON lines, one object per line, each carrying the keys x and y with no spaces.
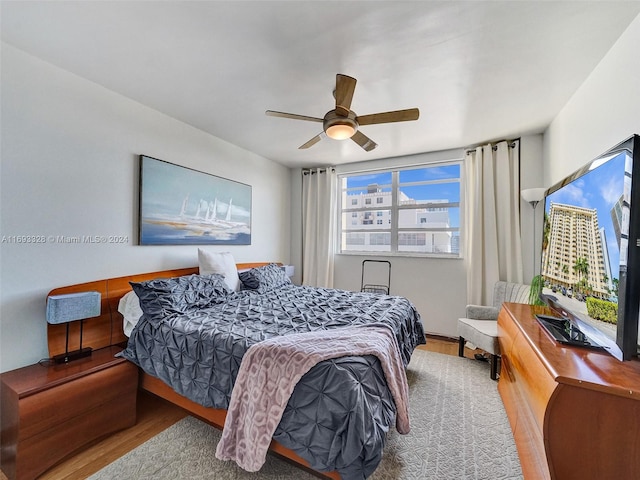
{"x":271,"y":369}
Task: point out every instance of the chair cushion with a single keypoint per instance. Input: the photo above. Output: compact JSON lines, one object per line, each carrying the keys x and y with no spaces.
{"x":480,"y":312}
{"x":482,"y":333}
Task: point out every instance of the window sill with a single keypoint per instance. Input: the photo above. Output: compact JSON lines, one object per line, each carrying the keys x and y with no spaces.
{"x":402,"y":254}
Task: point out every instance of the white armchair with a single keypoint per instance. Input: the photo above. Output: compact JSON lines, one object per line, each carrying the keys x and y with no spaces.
{"x":480,"y":326}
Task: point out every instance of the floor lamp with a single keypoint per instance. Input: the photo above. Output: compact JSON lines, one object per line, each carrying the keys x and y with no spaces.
{"x":533,"y":196}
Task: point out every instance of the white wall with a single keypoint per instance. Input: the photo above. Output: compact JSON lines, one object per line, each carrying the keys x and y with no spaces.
{"x":295,"y":254}
{"x":604,"y":111}
{"x":436,"y":286}
{"x":70,"y":167}
{"x":531,"y":176}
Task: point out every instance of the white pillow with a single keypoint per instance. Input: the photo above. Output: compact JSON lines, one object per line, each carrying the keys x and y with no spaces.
{"x":129,"y":307}
{"x":221,"y":263}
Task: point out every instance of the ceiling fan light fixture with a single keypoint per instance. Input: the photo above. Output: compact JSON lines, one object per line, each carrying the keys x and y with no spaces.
{"x":339,"y":127}
{"x":340,"y":131}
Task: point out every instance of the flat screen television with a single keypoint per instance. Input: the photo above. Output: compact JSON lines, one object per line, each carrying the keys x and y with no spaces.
{"x":590,"y":262}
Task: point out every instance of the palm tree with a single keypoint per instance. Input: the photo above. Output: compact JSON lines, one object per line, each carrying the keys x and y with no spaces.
{"x":581,"y":267}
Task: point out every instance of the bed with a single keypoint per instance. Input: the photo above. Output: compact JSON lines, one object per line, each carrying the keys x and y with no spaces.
{"x":189,"y":352}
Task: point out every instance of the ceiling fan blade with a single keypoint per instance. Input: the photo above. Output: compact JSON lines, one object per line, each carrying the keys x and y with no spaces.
{"x":293,"y":116}
{"x":389,"y":117}
{"x":345,"y":86}
{"x":311,"y":142}
{"x":364,"y":141}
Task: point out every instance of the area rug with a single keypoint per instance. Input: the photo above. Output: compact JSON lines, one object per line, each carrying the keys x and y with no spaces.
{"x":459,"y":430}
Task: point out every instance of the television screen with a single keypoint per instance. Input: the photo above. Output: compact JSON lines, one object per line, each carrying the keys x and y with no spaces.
{"x":585,"y":250}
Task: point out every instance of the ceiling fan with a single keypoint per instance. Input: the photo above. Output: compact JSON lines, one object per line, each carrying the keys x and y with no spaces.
{"x":342,"y":122}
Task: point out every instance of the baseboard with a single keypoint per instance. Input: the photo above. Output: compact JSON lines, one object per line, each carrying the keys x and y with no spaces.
{"x":444,"y":338}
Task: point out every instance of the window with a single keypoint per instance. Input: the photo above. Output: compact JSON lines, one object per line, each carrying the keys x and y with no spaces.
{"x":417,"y":209}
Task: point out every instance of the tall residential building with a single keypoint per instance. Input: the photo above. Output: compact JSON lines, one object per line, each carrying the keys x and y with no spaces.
{"x":575,"y":235}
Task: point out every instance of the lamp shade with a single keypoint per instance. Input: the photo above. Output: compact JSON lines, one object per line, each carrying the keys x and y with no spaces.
{"x":72,"y":306}
{"x":533,"y":194}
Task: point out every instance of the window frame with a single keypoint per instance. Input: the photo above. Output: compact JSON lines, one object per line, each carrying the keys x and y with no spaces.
{"x":393,"y":228}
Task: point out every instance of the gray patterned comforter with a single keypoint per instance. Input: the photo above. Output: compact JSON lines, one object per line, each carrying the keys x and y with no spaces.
{"x":339,"y":412}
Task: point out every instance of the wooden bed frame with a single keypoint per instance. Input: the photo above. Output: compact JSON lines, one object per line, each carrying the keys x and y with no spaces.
{"x":107,"y":330}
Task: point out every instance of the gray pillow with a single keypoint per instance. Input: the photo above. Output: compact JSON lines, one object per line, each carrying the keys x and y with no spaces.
{"x":263,"y":279}
{"x":165,"y":296}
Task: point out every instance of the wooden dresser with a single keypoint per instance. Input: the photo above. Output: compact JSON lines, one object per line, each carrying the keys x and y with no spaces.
{"x":48,"y":412}
{"x":574,"y":412}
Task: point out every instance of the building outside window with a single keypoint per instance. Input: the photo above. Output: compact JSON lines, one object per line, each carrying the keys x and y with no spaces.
{"x":417,"y":210}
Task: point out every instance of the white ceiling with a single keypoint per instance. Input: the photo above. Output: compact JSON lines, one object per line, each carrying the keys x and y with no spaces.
{"x":477,"y":70}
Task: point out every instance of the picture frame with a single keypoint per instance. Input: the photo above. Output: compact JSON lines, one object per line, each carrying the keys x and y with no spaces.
{"x":182,"y":206}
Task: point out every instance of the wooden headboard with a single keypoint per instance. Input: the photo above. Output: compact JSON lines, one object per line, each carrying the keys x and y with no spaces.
{"x":107,"y":329}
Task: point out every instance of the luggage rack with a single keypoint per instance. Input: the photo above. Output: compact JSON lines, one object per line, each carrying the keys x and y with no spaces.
{"x":378,"y":287}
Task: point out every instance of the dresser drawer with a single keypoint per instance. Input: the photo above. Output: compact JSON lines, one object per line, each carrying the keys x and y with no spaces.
{"x":532,"y":378}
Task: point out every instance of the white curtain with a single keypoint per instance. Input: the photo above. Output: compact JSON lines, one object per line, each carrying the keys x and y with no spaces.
{"x":492,"y":219}
{"x":318,"y":226}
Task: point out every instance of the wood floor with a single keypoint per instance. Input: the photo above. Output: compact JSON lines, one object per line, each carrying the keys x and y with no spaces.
{"x":154,"y":416}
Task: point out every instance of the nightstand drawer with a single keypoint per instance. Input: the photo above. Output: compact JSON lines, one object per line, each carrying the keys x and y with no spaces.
{"x":60,"y":404}
{"x":50,"y":412}
{"x":52,"y":445}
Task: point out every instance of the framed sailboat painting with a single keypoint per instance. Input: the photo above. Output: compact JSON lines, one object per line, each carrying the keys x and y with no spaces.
{"x":181,"y":206}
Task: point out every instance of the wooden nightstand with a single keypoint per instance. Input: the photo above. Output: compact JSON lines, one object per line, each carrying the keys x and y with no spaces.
{"x":49,"y":412}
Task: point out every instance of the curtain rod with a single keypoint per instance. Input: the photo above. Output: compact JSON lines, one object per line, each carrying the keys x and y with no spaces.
{"x":307,"y":171}
{"x":494,"y":147}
